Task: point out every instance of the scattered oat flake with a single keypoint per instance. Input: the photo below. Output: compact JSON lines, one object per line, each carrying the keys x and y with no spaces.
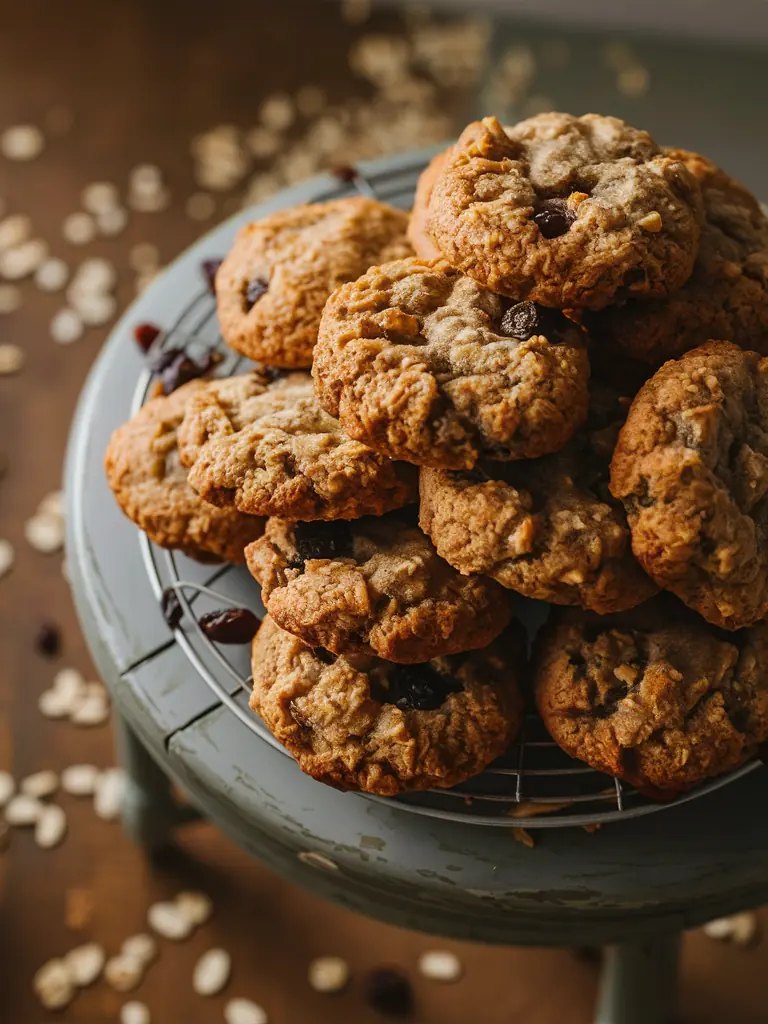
{"x":53,"y":985}
{"x":200,"y":206}
{"x":142,"y":946}
{"x":52,"y":704}
{"x":11,"y":359}
{"x":94,"y":275}
{"x":195,"y":906}
{"x":66,"y":327}
{"x":277,"y":112}
{"x":7,"y":556}
{"x":22,"y":810}
{"x":531,"y":809}
{"x":100,"y":197}
{"x":93,"y":710}
{"x":123,"y":972}
{"x":22,"y":142}
{"x":51,"y":826}
{"x":52,"y":275}
{"x":40,"y":784}
{"x":108,"y":795}
{"x":10,"y":298}
{"x":14,"y":231}
{"x":85,"y":963}
{"x":440,"y":965}
{"x":95,"y":309}
{"x":112,"y":222}
{"x":168,"y":920}
{"x":143,"y":256}
{"x":211,"y":972}
{"x":7,"y":787}
{"x":328,"y":974}
{"x":79,"y":228}
{"x":521,"y":835}
{"x":79,"y":779}
{"x":739,"y":928}
{"x":22,"y":260}
{"x":45,"y":533}
{"x":243,"y":1011}
{"x":135,"y":1012}
{"x":317,"y":860}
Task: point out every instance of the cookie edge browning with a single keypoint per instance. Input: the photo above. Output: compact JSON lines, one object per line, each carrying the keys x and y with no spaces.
{"x":455,"y":624}
{"x":551,"y":662}
{"x":635,"y":447}
{"x":488,"y":142}
{"x":363,"y":775}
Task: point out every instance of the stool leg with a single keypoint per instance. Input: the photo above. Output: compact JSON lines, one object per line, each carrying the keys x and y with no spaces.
{"x":638,"y":983}
{"x":149,"y":811}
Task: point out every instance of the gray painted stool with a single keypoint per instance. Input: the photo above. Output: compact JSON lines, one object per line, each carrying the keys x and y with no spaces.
{"x":439,"y":863}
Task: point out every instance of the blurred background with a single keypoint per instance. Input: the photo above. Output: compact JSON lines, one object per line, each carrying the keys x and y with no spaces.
{"x":127,"y":129}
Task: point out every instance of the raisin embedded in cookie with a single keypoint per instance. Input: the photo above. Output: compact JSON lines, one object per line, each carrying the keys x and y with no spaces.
{"x":691,"y":466}
{"x":423,"y":364}
{"x":267,"y":448}
{"x":727,"y":293}
{"x":418,"y":235}
{"x":568,"y":211}
{"x":655,"y":697}
{"x":271,"y":288}
{"x":146,"y":476}
{"x":547,"y":528}
{"x":373,"y":586}
{"x":360,"y":723}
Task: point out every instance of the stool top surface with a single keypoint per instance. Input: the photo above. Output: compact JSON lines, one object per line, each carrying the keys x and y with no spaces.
{"x":680,"y":866}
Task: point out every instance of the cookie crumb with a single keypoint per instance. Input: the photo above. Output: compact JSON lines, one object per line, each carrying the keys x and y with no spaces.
{"x":523,"y":836}
{"x":651,"y":222}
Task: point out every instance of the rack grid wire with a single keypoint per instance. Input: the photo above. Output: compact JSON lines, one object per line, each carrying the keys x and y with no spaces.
{"x":535,"y":784}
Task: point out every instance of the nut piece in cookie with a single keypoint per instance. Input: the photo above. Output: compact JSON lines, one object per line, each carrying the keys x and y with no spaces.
{"x":656,"y":696}
{"x":548,"y":528}
{"x":146,"y":476}
{"x":727,"y":293}
{"x":267,"y":447}
{"x":691,"y":466}
{"x":423,"y":364}
{"x":271,"y":288}
{"x":373,"y":586}
{"x":418,"y":235}
{"x":356,"y":722}
{"x":568,"y":211}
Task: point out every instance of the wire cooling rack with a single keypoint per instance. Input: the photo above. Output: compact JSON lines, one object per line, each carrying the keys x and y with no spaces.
{"x":535,"y":784}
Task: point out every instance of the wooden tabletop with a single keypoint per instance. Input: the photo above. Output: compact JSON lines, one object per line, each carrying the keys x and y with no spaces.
{"x":141,"y":78}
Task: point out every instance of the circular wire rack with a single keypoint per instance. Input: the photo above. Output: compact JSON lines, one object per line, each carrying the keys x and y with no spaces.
{"x":535,"y":784}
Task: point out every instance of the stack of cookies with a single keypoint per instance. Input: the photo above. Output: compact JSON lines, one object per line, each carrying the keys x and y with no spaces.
{"x":485,"y":417}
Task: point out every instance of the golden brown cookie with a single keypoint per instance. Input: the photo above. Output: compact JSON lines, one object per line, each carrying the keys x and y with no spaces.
{"x":423,"y":364}
{"x":691,"y":466}
{"x":418,"y":236}
{"x":548,"y":528}
{"x":727,"y":293}
{"x":267,"y":447}
{"x":656,"y":696}
{"x":146,"y":477}
{"x":271,"y":288}
{"x":567,"y":211}
{"x":373,"y":586}
{"x":361,"y":723}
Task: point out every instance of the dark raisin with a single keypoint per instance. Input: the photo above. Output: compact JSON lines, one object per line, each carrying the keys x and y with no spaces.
{"x":327,"y":657}
{"x":48,"y":640}
{"x":229,"y":625}
{"x":389,"y":991}
{"x":344,"y":172}
{"x":553,"y":217}
{"x":419,"y":687}
{"x":171,"y":608}
{"x":323,"y":540}
{"x":145,"y":335}
{"x":254,"y":290}
{"x":210,"y":269}
{"x":521,"y":321}
{"x":175,"y":367}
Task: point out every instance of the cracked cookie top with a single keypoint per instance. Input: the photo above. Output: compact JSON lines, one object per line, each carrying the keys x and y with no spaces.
{"x":568,"y":211}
